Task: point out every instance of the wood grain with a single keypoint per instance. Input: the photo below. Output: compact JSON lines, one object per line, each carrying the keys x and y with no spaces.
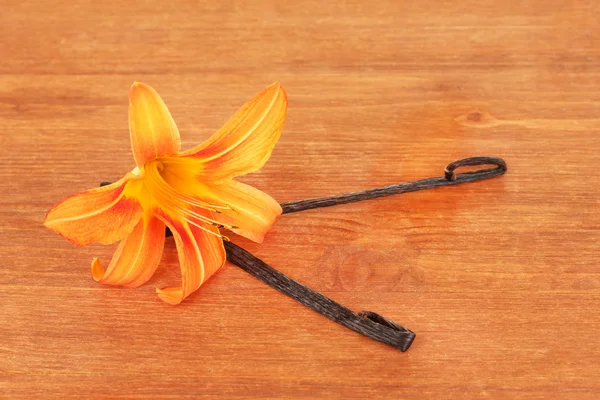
{"x":499,"y":279}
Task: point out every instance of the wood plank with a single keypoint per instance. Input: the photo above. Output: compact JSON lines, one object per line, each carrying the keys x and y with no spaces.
{"x":499,"y":279}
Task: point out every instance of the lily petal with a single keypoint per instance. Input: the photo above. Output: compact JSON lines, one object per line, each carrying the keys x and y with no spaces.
{"x":102,"y":215}
{"x":201,"y":254}
{"x":245,"y":142}
{"x":253,"y":211}
{"x":151,"y":127}
{"x":137,"y":256}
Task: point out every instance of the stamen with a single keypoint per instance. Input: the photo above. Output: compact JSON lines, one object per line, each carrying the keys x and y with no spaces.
{"x":176,"y":195}
{"x":207,"y":220}
{"x":202,"y":204}
{"x":232,"y":209}
{"x":189,"y":199}
{"x":223,"y":237}
{"x":172,"y":200}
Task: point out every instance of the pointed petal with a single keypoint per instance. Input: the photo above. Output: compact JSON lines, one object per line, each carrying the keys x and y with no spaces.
{"x":245,"y":142}
{"x":102,"y":215}
{"x":137,"y":256}
{"x":201,"y":254}
{"x":151,"y":127}
{"x":254,"y":211}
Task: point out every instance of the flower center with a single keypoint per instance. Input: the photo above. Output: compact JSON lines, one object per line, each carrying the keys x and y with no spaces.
{"x":169,"y":181}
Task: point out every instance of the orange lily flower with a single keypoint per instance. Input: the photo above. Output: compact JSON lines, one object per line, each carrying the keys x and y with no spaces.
{"x":192,"y":192}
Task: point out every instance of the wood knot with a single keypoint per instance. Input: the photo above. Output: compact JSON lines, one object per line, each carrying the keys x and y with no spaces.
{"x":475,"y":116}
{"x":477,"y":119}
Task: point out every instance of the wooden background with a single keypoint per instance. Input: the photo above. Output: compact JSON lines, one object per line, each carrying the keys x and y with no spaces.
{"x":499,"y":279}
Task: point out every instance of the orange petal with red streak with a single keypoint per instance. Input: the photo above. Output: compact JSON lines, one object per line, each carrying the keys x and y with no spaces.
{"x":136,"y":258}
{"x":151,"y":127}
{"x":98,"y":215}
{"x":201,"y":254}
{"x":245,"y":142}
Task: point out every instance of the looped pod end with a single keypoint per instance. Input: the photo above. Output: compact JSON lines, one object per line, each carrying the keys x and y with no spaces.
{"x":474,"y":161}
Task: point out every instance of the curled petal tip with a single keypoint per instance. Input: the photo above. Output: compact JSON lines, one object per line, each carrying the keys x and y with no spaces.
{"x":142,"y":92}
{"x":138,"y":88}
{"x":133,"y":87}
{"x":170,"y":295}
{"x":97,"y":270}
{"x":276,"y":86}
{"x":136,"y":257}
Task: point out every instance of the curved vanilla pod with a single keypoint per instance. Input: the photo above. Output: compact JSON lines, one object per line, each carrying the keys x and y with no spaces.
{"x":367,"y":323}
{"x":449,"y":178}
